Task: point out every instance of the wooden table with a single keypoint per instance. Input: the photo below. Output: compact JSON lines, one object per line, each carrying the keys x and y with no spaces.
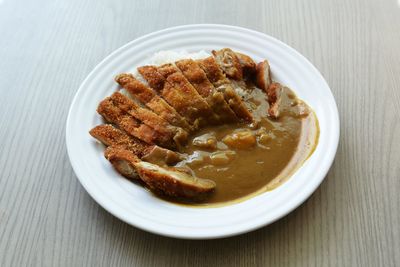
{"x":46,"y":217}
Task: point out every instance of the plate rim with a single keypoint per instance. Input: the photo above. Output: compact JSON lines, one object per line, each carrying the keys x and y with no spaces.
{"x":252,"y":227}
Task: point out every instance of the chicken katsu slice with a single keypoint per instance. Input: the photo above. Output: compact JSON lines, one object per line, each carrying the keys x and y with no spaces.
{"x":236,"y":103}
{"x":167,"y":69}
{"x":156,"y":76}
{"x":167,"y":112}
{"x":174,"y":182}
{"x":187,"y":101}
{"x":148,"y":97}
{"x":197,"y":77}
{"x":132,"y":126}
{"x":173,"y":97}
{"x":229,"y":62}
{"x":144,"y":115}
{"x":263,"y":75}
{"x":151,"y":119}
{"x":136,"y":88}
{"x":111,"y":136}
{"x":223,"y":85}
{"x":248,"y":65}
{"x":274,"y":92}
{"x":165,"y":180}
{"x":182,"y":85}
{"x":153,"y":77}
{"x":179,"y":93}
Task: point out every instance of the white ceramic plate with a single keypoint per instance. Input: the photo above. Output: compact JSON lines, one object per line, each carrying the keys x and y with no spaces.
{"x":136,"y":206}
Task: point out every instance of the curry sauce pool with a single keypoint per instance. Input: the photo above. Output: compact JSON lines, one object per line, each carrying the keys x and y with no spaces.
{"x":247,"y":159}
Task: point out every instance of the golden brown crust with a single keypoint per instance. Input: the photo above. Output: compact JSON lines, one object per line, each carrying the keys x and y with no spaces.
{"x":144,"y":115}
{"x":213,"y":71}
{"x":137,"y":89}
{"x":141,"y":131}
{"x":167,"y":70}
{"x":110,"y":112}
{"x":185,"y":99}
{"x":229,"y":63}
{"x":116,"y":138}
{"x":108,"y":135}
{"x":130,"y":125}
{"x":111,"y":136}
{"x":179,"y":93}
{"x":168,"y":92}
{"x":152,"y":76}
{"x":223,"y":85}
{"x":148,"y":97}
{"x":198,"y":78}
{"x":189,"y":103}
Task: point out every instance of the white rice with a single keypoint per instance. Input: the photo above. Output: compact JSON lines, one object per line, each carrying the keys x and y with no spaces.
{"x":164,"y":57}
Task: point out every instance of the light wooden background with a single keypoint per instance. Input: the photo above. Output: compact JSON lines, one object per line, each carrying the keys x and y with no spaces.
{"x":46,"y":217}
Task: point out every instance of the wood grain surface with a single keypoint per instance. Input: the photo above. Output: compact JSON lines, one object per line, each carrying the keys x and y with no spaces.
{"x":47,"y":219}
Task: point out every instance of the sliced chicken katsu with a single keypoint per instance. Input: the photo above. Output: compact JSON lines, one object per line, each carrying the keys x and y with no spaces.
{"x":248,"y":65}
{"x":167,"y":69}
{"x":199,"y":105}
{"x":229,"y":62}
{"x":263,"y":75}
{"x":197,"y":77}
{"x":153,"y":77}
{"x":132,"y":126}
{"x":165,"y":180}
{"x":222,"y":84}
{"x":149,"y":118}
{"x":274,"y":91}
{"x":111,"y":136}
{"x":148,"y":97}
{"x":179,"y":93}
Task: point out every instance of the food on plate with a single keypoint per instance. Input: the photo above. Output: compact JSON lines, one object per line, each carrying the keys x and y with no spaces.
{"x":222,"y":84}
{"x":165,"y":180}
{"x":206,"y":130}
{"x":263,"y":75}
{"x":146,"y":96}
{"x":229,"y":62}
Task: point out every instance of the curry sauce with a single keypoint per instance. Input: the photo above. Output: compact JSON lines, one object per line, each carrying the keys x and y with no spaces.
{"x":246,"y":159}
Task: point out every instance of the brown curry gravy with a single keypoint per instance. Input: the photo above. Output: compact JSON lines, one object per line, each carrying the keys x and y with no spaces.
{"x":244,"y":172}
